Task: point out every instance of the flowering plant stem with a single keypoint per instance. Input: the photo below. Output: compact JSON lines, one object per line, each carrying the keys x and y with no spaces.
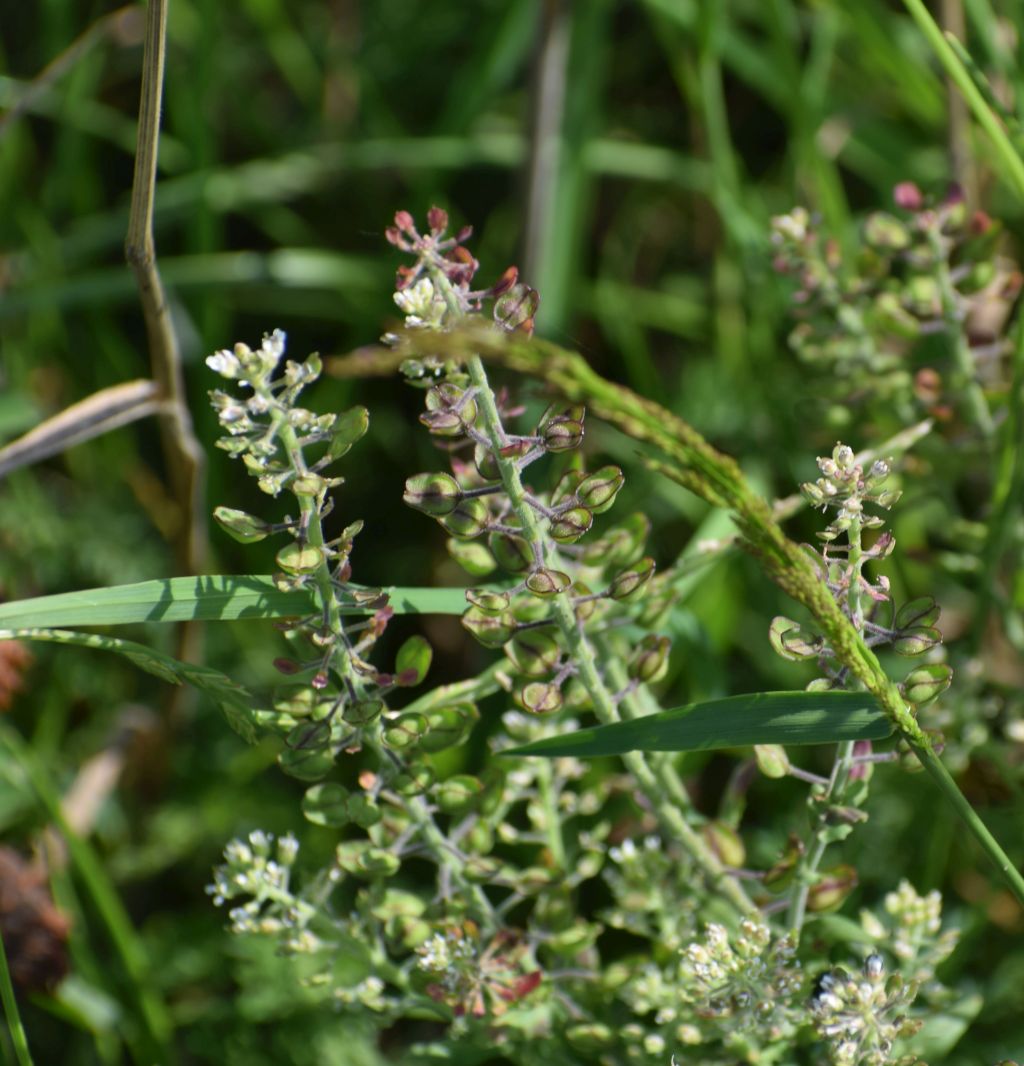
{"x":656,"y":778}
{"x":694,"y":463}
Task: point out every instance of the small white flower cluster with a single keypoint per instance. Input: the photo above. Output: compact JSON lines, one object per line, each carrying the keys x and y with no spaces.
{"x":258,"y":869}
{"x":422,"y":305}
{"x":753,"y":982}
{"x":863,"y":1015}
{"x":242,"y":362}
{"x":912,"y":930}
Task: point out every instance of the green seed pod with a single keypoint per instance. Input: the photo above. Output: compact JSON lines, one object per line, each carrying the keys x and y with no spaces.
{"x":480,"y":839}
{"x":792,"y":642}
{"x":414,"y":780}
{"x":772,"y":760}
{"x":725,"y":843}
{"x":649,"y":661}
{"x":567,"y":485}
{"x":916,"y":641}
{"x":448,"y":413}
{"x":569,"y":526}
{"x":468,"y":519}
{"x":406,"y":730}
{"x":488,"y":602}
{"x":545,"y":582}
{"x":585,"y":607}
{"x":629,"y":583}
{"x":296,"y":558}
{"x":884,"y":231}
{"x":347,"y":429}
{"x":362,"y":713}
{"x":486,"y":463}
{"x":413,"y":661}
{"x":310,"y":484}
{"x":539,"y":697}
{"x":923,"y":611}
{"x":435,"y":494}
{"x":625,"y":541}
{"x":492,"y":631}
{"x":924,"y":683}
{"x":511,"y":552}
{"x":534,"y":652}
{"x":597,"y":491}
{"x":474,"y":558}
{"x":447,"y":727}
{"x":780,"y":876}
{"x":832,"y":889}
{"x":480,"y":869}
{"x":306,"y":764}
{"x":245,"y":528}
{"x":590,"y":1038}
{"x":366,"y":861}
{"x":363,"y":810}
{"x":326,"y":804}
{"x":459,"y":794}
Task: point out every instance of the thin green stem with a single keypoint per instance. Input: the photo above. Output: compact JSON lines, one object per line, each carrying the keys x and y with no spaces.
{"x":1012,"y":164}
{"x":552,"y":821}
{"x":14,"y":1027}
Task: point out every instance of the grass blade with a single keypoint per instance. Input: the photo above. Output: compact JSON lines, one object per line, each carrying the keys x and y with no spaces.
{"x":14,"y":1027}
{"x":221,"y":598}
{"x":735,"y":722}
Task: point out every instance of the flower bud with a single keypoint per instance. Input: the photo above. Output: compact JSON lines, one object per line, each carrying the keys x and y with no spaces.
{"x":434,"y":494}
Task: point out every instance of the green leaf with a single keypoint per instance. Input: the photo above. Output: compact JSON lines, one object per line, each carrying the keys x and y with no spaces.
{"x":221,"y":598}
{"x":236,"y":702}
{"x":739,"y":721}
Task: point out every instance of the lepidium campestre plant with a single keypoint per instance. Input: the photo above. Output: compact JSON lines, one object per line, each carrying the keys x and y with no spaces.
{"x":502,"y":942}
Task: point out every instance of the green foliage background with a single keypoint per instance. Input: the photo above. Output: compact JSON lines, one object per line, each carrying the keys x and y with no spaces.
{"x":292,"y":131}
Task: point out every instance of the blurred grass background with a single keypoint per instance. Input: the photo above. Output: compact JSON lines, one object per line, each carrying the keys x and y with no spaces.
{"x":627,"y":155}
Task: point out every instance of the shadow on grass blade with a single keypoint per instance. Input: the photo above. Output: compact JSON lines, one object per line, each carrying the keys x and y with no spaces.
{"x":735,"y":722}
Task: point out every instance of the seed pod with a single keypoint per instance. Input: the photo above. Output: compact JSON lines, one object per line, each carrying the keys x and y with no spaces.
{"x":534,"y":652}
{"x":468,"y":519}
{"x":486,"y":463}
{"x":306,"y":764}
{"x":597,"y":491}
{"x":361,"y":859}
{"x":405,"y":730}
{"x":296,"y":558}
{"x":567,"y":486}
{"x":923,"y":611}
{"x":492,"y":631}
{"x":511,"y":552}
{"x":772,"y":760}
{"x":649,"y":662}
{"x":413,"y":661}
{"x":924,"y":683}
{"x":435,"y":494}
{"x":539,"y":697}
{"x":474,"y":558}
{"x":569,"y":526}
{"x":545,"y":582}
{"x":347,"y":429}
{"x":448,"y":413}
{"x":245,"y":528}
{"x":628,"y":583}
{"x":459,"y":794}
{"x":916,"y":641}
{"x":561,"y":428}
{"x":447,"y":727}
{"x":363,"y":713}
{"x":487,"y":601}
{"x":792,"y":642}
{"x":726,"y":844}
{"x":326,"y":804}
{"x":363,"y":810}
{"x":832,"y":889}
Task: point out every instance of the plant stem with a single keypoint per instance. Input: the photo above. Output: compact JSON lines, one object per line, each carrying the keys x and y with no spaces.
{"x":14,"y":1026}
{"x":655,"y":784}
{"x":1013,"y":165}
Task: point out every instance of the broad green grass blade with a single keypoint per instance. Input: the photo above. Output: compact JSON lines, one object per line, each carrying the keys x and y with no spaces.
{"x":237,"y":703}
{"x":735,"y":722}
{"x":223,"y":598}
